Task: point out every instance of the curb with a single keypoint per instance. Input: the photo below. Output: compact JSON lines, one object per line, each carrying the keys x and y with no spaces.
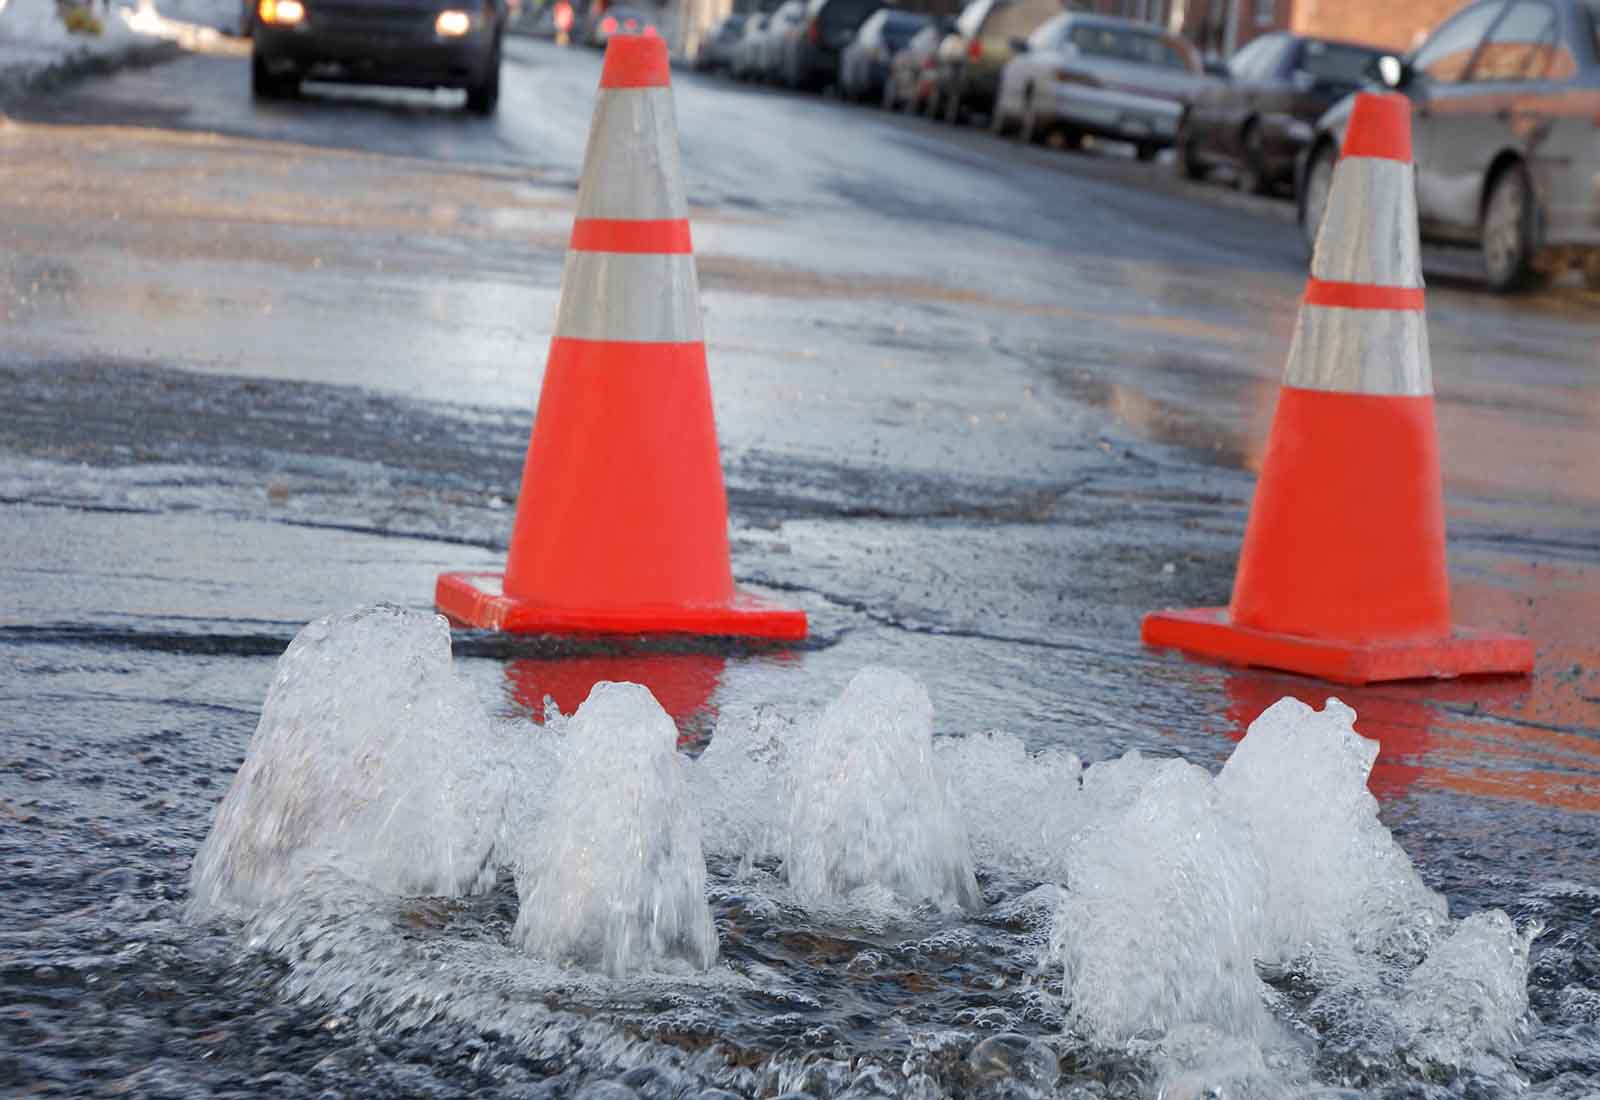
{"x":21,"y":82}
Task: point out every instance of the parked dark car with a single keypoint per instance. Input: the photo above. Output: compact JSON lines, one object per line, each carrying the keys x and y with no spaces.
{"x":410,"y":43}
{"x":864,"y":64}
{"x":914,"y":69}
{"x":1506,"y":101}
{"x":970,"y":59}
{"x":825,"y":30}
{"x":716,"y":49}
{"x":1260,"y":115}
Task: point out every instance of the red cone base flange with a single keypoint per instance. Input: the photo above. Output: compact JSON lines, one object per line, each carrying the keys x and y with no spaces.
{"x":1208,"y":632}
{"x":478,"y":600}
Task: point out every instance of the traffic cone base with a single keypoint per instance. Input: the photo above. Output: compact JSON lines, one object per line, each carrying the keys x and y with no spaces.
{"x":479,"y":600}
{"x":1209,"y":633}
{"x":1342,"y":574}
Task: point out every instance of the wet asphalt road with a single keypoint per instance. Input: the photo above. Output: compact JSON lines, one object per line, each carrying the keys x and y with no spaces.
{"x":980,"y":408}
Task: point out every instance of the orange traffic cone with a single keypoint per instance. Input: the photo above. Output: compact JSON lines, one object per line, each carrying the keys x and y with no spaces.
{"x":622,"y":522}
{"x":1343,"y":575}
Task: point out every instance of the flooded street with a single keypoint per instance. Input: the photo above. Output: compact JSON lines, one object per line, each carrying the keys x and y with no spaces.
{"x":981,"y":406}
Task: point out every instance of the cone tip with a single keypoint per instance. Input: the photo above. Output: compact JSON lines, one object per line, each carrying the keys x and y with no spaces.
{"x":636,"y":61}
{"x":1380,"y":126}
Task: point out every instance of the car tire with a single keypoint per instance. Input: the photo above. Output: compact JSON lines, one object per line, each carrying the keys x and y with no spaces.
{"x":1252,"y":174}
{"x":1186,"y":162}
{"x":1146,"y":151}
{"x":265,"y":84}
{"x":1314,"y":196}
{"x":953,"y":114}
{"x":484,"y":97}
{"x":1029,"y":132}
{"x":1506,"y":232}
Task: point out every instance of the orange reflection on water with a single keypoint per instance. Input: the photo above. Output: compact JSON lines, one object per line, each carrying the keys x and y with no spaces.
{"x":685,"y":684}
{"x":1533,"y":739}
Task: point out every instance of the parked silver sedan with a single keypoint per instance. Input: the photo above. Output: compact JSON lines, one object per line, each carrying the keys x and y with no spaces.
{"x":1505,"y":134}
{"x":1090,"y":74}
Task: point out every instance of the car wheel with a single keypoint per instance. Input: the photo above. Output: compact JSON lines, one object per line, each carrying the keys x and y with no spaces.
{"x":952,"y":107}
{"x":1187,"y":162}
{"x":484,"y":97}
{"x":1029,"y":131}
{"x":264,"y":84}
{"x":1507,"y":232}
{"x":1146,"y":151}
{"x":1314,"y":202}
{"x":1252,"y":177}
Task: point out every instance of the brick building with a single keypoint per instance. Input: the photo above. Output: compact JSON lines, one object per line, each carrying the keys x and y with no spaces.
{"x":1397,"y":26}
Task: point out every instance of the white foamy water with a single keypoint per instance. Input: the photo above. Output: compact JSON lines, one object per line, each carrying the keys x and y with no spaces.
{"x":1184,"y":903}
{"x":869,"y":806}
{"x":612,"y":876}
{"x":373,"y":759}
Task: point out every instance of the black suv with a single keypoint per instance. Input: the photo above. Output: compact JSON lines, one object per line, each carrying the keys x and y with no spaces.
{"x":411,"y":43}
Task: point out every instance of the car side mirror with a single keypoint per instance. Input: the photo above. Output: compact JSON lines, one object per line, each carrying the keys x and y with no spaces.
{"x":1391,"y":71}
{"x":1019,"y":45}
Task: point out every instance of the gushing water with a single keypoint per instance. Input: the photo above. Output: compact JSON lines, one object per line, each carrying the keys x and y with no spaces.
{"x":1253,"y":932}
{"x":613,"y":877}
{"x":869,"y":807}
{"x":372,"y":759}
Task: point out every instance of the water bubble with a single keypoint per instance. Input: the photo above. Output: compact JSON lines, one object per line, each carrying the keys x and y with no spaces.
{"x":1017,"y":1058}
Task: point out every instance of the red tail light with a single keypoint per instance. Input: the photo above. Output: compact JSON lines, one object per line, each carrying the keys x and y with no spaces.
{"x":975,"y":49}
{"x":813,"y":33}
{"x":1070,"y":76}
{"x":609,"y":25}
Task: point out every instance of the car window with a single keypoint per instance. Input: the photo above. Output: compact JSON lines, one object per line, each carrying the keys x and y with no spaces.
{"x":1242,"y":64}
{"x":971,"y":17}
{"x":1127,"y":44}
{"x":1019,"y":18}
{"x":1050,"y":34}
{"x":1335,"y":62}
{"x":1444,"y":57}
{"x":870,"y":30}
{"x":1518,"y":48}
{"x":899,"y":27}
{"x":841,"y":14}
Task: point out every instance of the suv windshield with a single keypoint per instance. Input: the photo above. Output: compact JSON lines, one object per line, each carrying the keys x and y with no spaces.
{"x":900,"y":27}
{"x":1118,"y":44}
{"x":1336,"y":62}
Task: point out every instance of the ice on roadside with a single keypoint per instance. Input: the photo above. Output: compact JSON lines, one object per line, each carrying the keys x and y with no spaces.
{"x":613,"y":876}
{"x":372,"y":759}
{"x":869,"y":808}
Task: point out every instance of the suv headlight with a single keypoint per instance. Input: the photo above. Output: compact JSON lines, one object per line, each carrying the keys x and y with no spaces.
{"x":282,"y":13}
{"x":452,"y":24}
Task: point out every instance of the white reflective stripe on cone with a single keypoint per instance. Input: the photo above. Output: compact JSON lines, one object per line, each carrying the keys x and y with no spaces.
{"x":1369,"y":231}
{"x":640,"y":296}
{"x":631,"y":168}
{"x":1376,"y":351}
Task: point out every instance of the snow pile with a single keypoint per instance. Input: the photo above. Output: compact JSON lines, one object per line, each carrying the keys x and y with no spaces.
{"x":613,"y":875}
{"x":372,"y":758}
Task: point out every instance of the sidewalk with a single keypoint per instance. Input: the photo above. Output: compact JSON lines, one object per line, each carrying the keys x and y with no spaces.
{"x":37,"y":51}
